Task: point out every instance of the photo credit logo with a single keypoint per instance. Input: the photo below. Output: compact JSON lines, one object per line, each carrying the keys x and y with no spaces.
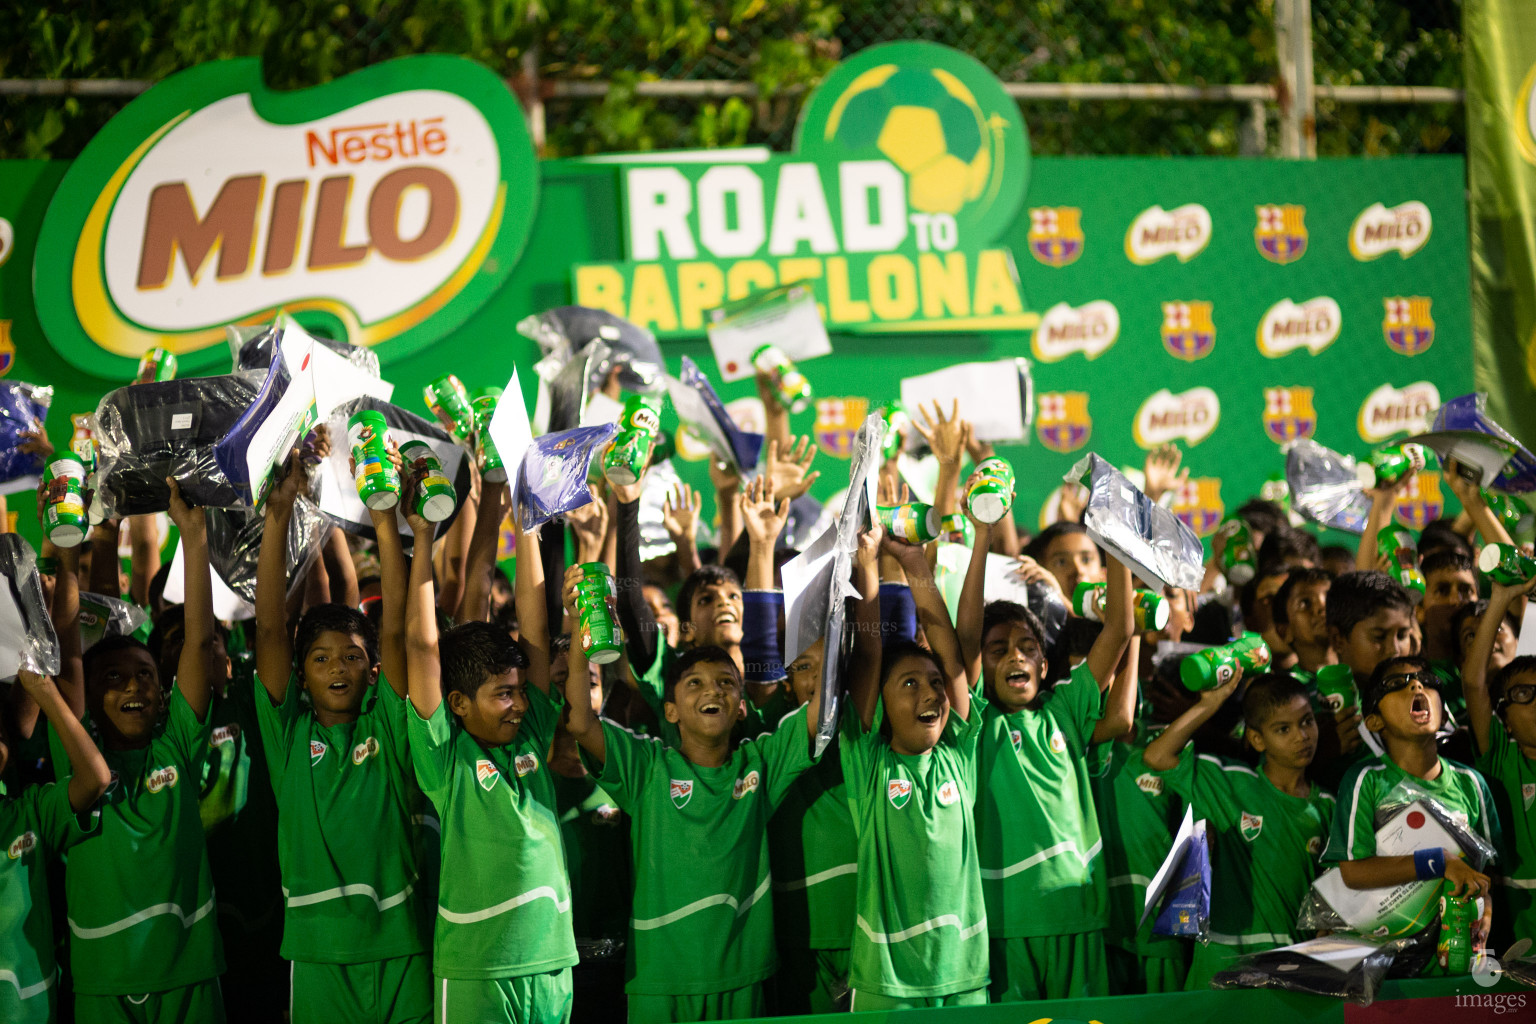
{"x":1379,"y":230}
{"x":1389,"y":410}
{"x":1188,"y":416}
{"x":1184,"y":232}
{"x":1090,"y":329}
{"x":1287,"y":326}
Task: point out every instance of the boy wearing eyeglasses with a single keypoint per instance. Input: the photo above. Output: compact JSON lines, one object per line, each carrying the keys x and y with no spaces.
{"x":1504,"y":727}
{"x":1403,"y":705}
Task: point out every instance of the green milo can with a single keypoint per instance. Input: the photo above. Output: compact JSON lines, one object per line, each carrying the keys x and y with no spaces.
{"x":1239,"y":560}
{"x":1506,"y":564}
{"x":1215,"y":666}
{"x":64,"y":518}
{"x":790,"y":388}
{"x":435,"y":497}
{"x":989,"y":492}
{"x":1150,"y":611}
{"x":624,"y":461}
{"x":449,"y":402}
{"x":1336,"y":686}
{"x":956,"y":529}
{"x":1454,"y":950}
{"x":914,"y":522}
{"x":602,"y":640}
{"x":155,"y":365}
{"x":1392,"y":463}
{"x":378,"y":484}
{"x":484,"y":406}
{"x":897,"y":423}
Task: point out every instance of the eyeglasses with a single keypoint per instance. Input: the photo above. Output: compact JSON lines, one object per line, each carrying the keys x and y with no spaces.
{"x":1522,"y":693}
{"x":1391,"y":684}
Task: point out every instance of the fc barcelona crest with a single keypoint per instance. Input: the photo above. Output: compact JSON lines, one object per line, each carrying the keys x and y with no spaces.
{"x":1288,"y":414}
{"x":1197,"y":502}
{"x":1420,"y":502}
{"x":1056,"y":234}
{"x":837,"y":422}
{"x":1407,"y":325}
{"x":1189,"y":333}
{"x":1281,"y":232}
{"x":1063,"y":424}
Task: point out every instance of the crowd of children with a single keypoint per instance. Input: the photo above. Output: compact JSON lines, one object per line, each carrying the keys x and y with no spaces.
{"x":405,"y":778}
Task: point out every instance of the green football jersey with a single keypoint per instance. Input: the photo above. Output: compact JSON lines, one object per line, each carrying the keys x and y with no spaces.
{"x":920,"y":917}
{"x":1513,"y":776}
{"x":504,"y":901}
{"x":1138,"y":816}
{"x":1265,"y":846}
{"x":1460,"y":789}
{"x":35,"y":827}
{"x":346,"y":795}
{"x":1042,"y":872}
{"x":652,"y":682}
{"x":703,"y":921}
{"x":815,"y":857}
{"x":596,"y":837}
{"x":139,"y":889}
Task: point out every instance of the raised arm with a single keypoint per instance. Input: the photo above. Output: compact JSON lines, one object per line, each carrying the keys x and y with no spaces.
{"x":393,"y":584}
{"x":192,"y":676}
{"x":775,"y":416}
{"x":727,"y":503}
{"x":1383,"y":507}
{"x":105,"y":578}
{"x":947,"y":437}
{"x":455,"y":550}
{"x":640,"y":631}
{"x":423,"y":671}
{"x":1120,"y":702}
{"x":583,"y":723}
{"x":274,"y":643}
{"x":1118,"y":622}
{"x":1471,"y":497}
{"x":1162,"y":754}
{"x":91,"y":776}
{"x":971,"y":610}
{"x":66,"y":624}
{"x":1474,"y":671}
{"x":144,"y":556}
{"x":533,"y":609}
{"x":475,"y":606}
{"x":933,"y":620}
{"x":864,"y":681}
{"x":680,"y":516}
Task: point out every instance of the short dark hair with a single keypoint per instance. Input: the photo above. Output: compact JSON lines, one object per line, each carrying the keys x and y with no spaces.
{"x":998,"y":613}
{"x":898,"y":649}
{"x":1506,"y":675}
{"x":1440,"y":534}
{"x":1358,"y":595}
{"x":703,"y":576}
{"x":1268,"y":692}
{"x":1296,"y":578}
{"x":694,"y":656}
{"x":1264,"y":516}
{"x":110,"y":645}
{"x":472,"y":652}
{"x":334,"y":618}
{"x":1447,"y":559}
{"x":1370,"y":700}
{"x":1286,"y":545}
{"x":1040,"y":544}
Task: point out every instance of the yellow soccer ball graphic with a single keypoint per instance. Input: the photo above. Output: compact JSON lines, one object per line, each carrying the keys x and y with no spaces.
{"x":927,"y":123}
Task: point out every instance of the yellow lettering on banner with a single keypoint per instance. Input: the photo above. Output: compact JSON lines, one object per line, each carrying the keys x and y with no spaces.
{"x":801,"y":269}
{"x":892,"y":287}
{"x":748,"y":276}
{"x":996,"y":288}
{"x":946,"y":292}
{"x":845,"y":308}
{"x":600,"y":288}
{"x":650,"y":298}
{"x":700,"y":288}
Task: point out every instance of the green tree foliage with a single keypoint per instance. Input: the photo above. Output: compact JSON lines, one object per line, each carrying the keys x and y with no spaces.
{"x":783,"y":47}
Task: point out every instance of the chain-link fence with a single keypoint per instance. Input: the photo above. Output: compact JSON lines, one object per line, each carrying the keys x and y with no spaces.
{"x":1194,"y":77}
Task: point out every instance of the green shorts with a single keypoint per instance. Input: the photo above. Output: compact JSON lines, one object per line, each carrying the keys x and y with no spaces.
{"x":393,"y":991}
{"x":39,"y":1007}
{"x":525,"y":999}
{"x":811,"y":981}
{"x":734,"y":1004}
{"x":201,"y":1003}
{"x":1049,"y":967}
{"x":863,"y":1001}
{"x":1134,"y":974}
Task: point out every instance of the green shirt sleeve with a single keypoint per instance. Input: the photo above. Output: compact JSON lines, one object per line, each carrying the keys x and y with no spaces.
{"x":48,"y":810}
{"x":388,"y":716}
{"x":627,"y":764}
{"x":187,"y":736}
{"x":1353,"y":836}
{"x":1206,"y":782}
{"x":786,"y":754}
{"x":275,"y":723}
{"x":1081,"y":702}
{"x":431,"y":750}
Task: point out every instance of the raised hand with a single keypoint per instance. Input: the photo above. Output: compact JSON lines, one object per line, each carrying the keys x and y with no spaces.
{"x":945,"y":435}
{"x":1074,"y":498}
{"x":1162,"y":470}
{"x":294,"y":481}
{"x":589,"y":523}
{"x":722,"y":475}
{"x":791,"y":474}
{"x":680,"y":513}
{"x":763,"y":519}
{"x":189,"y":519}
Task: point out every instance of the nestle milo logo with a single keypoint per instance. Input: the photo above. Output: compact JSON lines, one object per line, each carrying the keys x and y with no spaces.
{"x":387,"y":206}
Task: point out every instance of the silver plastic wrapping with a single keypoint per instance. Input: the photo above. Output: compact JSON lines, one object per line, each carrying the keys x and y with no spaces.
{"x":656,"y":487}
{"x":23,"y":407}
{"x":1324,"y":487}
{"x":102,"y":616}
{"x":234,"y":544}
{"x":250,"y":350}
{"x":1342,"y":967}
{"x":570,"y":388}
{"x":27,"y":639}
{"x":1151,"y":541}
{"x":563,"y":332}
{"x":147,"y":432}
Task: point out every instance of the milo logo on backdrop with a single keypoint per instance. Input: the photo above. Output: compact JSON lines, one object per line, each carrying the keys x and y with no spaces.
{"x":910,"y":162}
{"x":384,"y":207}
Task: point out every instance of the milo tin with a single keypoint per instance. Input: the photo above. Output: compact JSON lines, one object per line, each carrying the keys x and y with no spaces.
{"x":1454,"y":950}
{"x":790,"y":387}
{"x":1215,"y":666}
{"x":1150,"y":611}
{"x":155,"y":365}
{"x":1506,"y":564}
{"x":378,"y":484}
{"x":989,"y":492}
{"x":897,"y":423}
{"x":1390,"y":464}
{"x":1239,"y":560}
{"x":602,"y":640}
{"x":1398,"y":546}
{"x":914,"y":522}
{"x":64,"y":518}
{"x":449,"y":402}
{"x":435,"y":497}
{"x":1336,"y":686}
{"x":624,"y":461}
{"x":484,"y":406}
{"x":956,"y":529}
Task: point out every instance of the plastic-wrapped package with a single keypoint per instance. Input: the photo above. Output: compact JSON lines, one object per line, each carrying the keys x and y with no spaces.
{"x":571,"y":389}
{"x":234,"y":544}
{"x":562,"y":333}
{"x":147,"y":432}
{"x":102,"y":616}
{"x":1463,"y":430}
{"x":1324,"y":486}
{"x":250,"y":349}
{"x":554,"y":472}
{"x":701,"y":410}
{"x":27,"y":639}
{"x":1186,"y":910}
{"x":23,"y":407}
{"x":1151,"y":541}
{"x":1340,"y":966}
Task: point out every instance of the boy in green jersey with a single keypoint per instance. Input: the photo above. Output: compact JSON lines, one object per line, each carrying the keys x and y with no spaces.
{"x":910,"y":757}
{"x":145,"y":942}
{"x":1300,"y":612}
{"x":480,"y":735}
{"x":1040,"y":851}
{"x":1503,"y":718}
{"x":354,"y":923}
{"x":1266,"y":827}
{"x":37,"y":824}
{"x":1370,"y":619}
{"x":1402,"y":704}
{"x":701,"y":938}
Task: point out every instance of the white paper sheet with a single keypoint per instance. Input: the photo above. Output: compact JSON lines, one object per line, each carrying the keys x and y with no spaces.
{"x":228,"y":606}
{"x":988,"y":394}
{"x":786,"y":318}
{"x":512,"y":434}
{"x":807,"y":580}
{"x":1181,"y":840}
